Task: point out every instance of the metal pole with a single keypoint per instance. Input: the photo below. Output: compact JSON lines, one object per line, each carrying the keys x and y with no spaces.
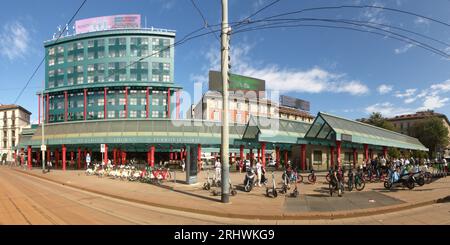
{"x":43,"y":141}
{"x":225,"y":129}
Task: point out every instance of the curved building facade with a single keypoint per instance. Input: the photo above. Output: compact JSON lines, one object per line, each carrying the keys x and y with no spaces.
{"x":112,"y":74}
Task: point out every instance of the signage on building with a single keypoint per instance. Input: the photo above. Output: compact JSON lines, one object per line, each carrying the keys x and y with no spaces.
{"x":43,"y":148}
{"x":102,"y":148}
{"x":346,"y":137}
{"x":237,"y":82}
{"x":107,"y":23}
{"x":294,"y":103}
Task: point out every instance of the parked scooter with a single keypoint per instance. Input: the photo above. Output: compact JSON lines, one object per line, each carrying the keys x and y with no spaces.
{"x":286,"y":185}
{"x":272,"y":192}
{"x":249,"y":180}
{"x":295,"y":191}
{"x":207,"y":185}
{"x":218,"y":192}
{"x":395,"y":179}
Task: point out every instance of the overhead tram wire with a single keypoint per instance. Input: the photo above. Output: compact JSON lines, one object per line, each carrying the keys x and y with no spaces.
{"x":359,"y":7}
{"x":413,"y":41}
{"x":204,"y":19}
{"x":273,"y":26}
{"x":288,"y":20}
{"x":255,"y":13}
{"x":45,"y":56}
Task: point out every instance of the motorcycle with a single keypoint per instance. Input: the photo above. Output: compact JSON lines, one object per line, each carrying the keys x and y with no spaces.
{"x":249,"y":180}
{"x":395,"y":178}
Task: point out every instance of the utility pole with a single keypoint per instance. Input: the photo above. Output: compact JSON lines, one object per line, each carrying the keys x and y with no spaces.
{"x":43,"y":141}
{"x":225,"y":129}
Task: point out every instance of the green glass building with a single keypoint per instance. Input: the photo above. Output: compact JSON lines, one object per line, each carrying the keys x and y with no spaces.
{"x":111,"y":74}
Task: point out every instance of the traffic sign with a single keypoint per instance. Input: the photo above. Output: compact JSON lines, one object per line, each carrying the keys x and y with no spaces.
{"x":43,"y":148}
{"x":102,"y":148}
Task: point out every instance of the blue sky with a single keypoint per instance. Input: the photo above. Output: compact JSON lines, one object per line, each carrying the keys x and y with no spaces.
{"x":339,"y":71}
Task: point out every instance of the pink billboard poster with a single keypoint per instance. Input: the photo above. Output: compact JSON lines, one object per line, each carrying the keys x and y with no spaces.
{"x":108,"y":23}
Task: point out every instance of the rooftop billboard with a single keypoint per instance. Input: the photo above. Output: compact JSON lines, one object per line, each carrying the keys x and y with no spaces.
{"x":107,"y":23}
{"x":237,"y":82}
{"x":294,"y":103}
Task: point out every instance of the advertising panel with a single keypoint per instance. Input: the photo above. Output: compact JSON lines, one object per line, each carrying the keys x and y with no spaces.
{"x":107,"y":23}
{"x":237,"y":82}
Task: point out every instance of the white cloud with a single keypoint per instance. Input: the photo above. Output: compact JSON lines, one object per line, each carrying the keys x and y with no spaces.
{"x":408,"y":93}
{"x":410,"y":100}
{"x":433,"y":102}
{"x":384,"y":89}
{"x":374,"y":14}
{"x":315,"y":80}
{"x":403,"y":49}
{"x":441,"y":87}
{"x":387,"y":109}
{"x":421,"y":21}
{"x":14,"y":40}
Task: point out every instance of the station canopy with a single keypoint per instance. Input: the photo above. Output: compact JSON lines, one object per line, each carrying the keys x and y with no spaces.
{"x":329,"y":127}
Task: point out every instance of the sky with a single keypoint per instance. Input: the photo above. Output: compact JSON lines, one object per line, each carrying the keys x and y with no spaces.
{"x":340,"y":71}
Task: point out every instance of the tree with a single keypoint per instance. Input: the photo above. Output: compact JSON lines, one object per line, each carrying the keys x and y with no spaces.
{"x":376,"y":119}
{"x":432,"y":133}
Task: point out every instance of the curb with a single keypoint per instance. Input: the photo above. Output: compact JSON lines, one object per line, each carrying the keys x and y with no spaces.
{"x":282,"y":216}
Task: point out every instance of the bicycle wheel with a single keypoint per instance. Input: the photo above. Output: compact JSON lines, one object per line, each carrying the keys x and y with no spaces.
{"x":359,"y":185}
{"x":312,"y":178}
{"x":331,"y":188}
{"x":328,"y":178}
{"x":350,"y":185}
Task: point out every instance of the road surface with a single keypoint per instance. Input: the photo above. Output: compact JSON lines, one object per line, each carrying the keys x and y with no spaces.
{"x":29,"y":200}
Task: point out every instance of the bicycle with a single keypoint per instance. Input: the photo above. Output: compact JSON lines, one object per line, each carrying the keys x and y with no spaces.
{"x":312,"y":177}
{"x":336,"y":184}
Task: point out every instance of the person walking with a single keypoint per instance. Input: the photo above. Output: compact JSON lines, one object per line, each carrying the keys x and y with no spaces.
{"x":88,"y":160}
{"x":259,"y":172}
{"x":218,"y":167}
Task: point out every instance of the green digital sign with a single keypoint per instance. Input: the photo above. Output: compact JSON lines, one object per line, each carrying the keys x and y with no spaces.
{"x":236,"y":83}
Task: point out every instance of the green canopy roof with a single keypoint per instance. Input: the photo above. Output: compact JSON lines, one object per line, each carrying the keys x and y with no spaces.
{"x":275,"y":130}
{"x":329,"y":127}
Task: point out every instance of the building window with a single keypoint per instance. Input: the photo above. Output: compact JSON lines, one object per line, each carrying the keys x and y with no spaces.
{"x":155,"y":101}
{"x":60,"y":105}
{"x":79,"y":45}
{"x":143,"y":114}
{"x":79,"y":68}
{"x":51,"y":62}
{"x":111,"y":101}
{"x":69,"y":58}
{"x":90,"y":79}
{"x":80,"y":80}
{"x":80,"y":57}
{"x":166,"y":66}
{"x":155,"y":113}
{"x":101,"y":114}
{"x":60,"y":60}
{"x":60,"y":49}
{"x":133,"y":101}
{"x":143,"y":101}
{"x":166,"y":78}
{"x":51,"y":73}
{"x":122,"y":114}
{"x":133,"y":114}
{"x":155,"y":78}
{"x":122,"y":101}
{"x":51,"y":51}
{"x":111,"y":114}
{"x":101,"y":102}
{"x":317,"y":157}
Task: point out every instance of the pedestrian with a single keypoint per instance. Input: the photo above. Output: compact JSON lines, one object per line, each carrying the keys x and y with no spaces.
{"x":218,"y":167}
{"x":183,"y":164}
{"x":259,"y":172}
{"x":88,"y":160}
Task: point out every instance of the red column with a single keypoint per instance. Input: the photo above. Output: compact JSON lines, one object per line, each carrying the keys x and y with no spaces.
{"x":85,"y":104}
{"x":105,"y":104}
{"x":147,"y":102}
{"x":366,"y":152}
{"x":303,"y":156}
{"x":258,"y":158}
{"x":48,"y":155}
{"x":176,"y":155}
{"x":85,"y":154}
{"x":152,"y":156}
{"x":106,"y":154}
{"x":355,"y":157}
{"x":126,"y":102}
{"x":46,"y":108}
{"x":184,"y":153}
{"x":64,"y":157}
{"x":171,"y":153}
{"x":29,"y":157}
{"x":115,"y":156}
{"x":241,"y":153}
{"x":385,"y":151}
{"x":38,"y":156}
{"x":65,"y":106}
{"x":39,"y":109}
{"x":22,"y":156}
{"x":124,"y":157}
{"x":71,"y":156}
{"x":199,"y":152}
{"x":263,"y":153}
{"x":168,"y":102}
{"x":178,"y":104}
{"x":332,"y":156}
{"x":277,"y":157}
{"x":285,"y":158}
{"x":338,"y":145}
{"x":79,"y":158}
{"x":251,"y":156}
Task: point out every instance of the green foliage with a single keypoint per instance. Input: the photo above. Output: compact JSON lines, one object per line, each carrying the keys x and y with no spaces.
{"x":376,"y":119}
{"x":432,"y":133}
{"x":394,"y":153}
{"x":4,"y":157}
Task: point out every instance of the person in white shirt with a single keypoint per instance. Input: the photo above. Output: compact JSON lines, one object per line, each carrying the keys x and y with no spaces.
{"x":259,"y":172}
{"x":218,"y":167}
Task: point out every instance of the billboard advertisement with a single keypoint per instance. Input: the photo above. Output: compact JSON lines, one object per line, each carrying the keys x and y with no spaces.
{"x":107,"y":23}
{"x":237,"y":82}
{"x":294,"y":103}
